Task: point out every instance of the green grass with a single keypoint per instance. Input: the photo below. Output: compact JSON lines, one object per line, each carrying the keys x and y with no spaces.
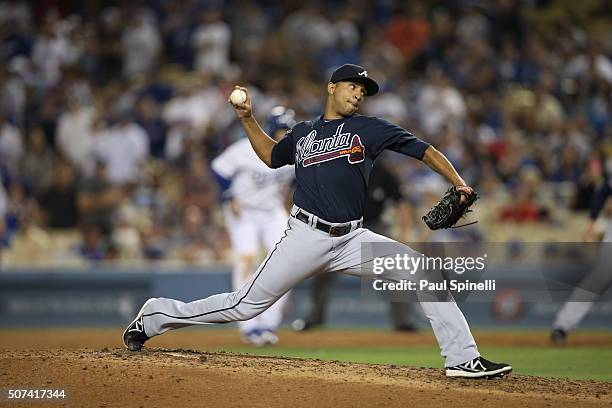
{"x":580,"y":363}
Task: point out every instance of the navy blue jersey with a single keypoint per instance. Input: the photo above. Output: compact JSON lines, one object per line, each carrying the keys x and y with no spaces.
{"x":333,"y":160}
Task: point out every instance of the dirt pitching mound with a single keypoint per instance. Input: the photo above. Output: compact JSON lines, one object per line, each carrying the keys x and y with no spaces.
{"x":206,"y":339}
{"x":165,"y":378}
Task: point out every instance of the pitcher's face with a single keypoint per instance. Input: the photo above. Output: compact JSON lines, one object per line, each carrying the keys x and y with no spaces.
{"x":347,"y":96}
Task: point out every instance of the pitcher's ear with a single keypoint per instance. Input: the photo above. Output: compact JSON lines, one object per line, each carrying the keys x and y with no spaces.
{"x":331,"y":88}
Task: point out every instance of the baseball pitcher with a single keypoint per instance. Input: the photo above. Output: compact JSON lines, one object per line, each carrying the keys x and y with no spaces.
{"x":332,"y":156}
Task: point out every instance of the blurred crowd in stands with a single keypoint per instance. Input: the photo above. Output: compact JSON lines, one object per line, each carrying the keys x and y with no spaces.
{"x":111,"y":114}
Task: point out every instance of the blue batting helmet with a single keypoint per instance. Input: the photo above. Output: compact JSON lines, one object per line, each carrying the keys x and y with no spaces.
{"x":279,"y":118}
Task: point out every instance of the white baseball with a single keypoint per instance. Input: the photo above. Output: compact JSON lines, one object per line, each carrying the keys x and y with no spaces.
{"x":238,"y":96}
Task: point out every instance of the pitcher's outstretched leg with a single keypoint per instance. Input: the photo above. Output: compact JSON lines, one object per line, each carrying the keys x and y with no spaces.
{"x":299,"y":254}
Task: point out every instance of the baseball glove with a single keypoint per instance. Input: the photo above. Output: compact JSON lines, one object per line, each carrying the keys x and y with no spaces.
{"x":450,"y":208}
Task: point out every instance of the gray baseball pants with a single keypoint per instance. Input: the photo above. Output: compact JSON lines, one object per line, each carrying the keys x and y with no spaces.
{"x":302,"y":252}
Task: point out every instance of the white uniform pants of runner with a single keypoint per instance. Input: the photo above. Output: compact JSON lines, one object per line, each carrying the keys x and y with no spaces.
{"x":247,"y":231}
{"x":598,"y":281}
{"x":302,"y":252}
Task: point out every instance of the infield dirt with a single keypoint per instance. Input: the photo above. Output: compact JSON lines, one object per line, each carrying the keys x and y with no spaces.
{"x":96,"y":375}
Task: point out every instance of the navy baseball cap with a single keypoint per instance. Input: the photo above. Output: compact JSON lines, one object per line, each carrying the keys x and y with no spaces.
{"x":356,"y":73}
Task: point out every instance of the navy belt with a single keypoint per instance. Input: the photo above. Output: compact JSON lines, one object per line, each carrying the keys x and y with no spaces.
{"x":332,"y":230}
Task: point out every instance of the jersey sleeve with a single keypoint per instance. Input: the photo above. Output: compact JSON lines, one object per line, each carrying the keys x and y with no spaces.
{"x":226,"y":165}
{"x":282,"y":153}
{"x":385,"y":135}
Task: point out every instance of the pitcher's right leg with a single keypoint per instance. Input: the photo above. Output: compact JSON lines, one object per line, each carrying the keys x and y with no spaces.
{"x":301,"y":253}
